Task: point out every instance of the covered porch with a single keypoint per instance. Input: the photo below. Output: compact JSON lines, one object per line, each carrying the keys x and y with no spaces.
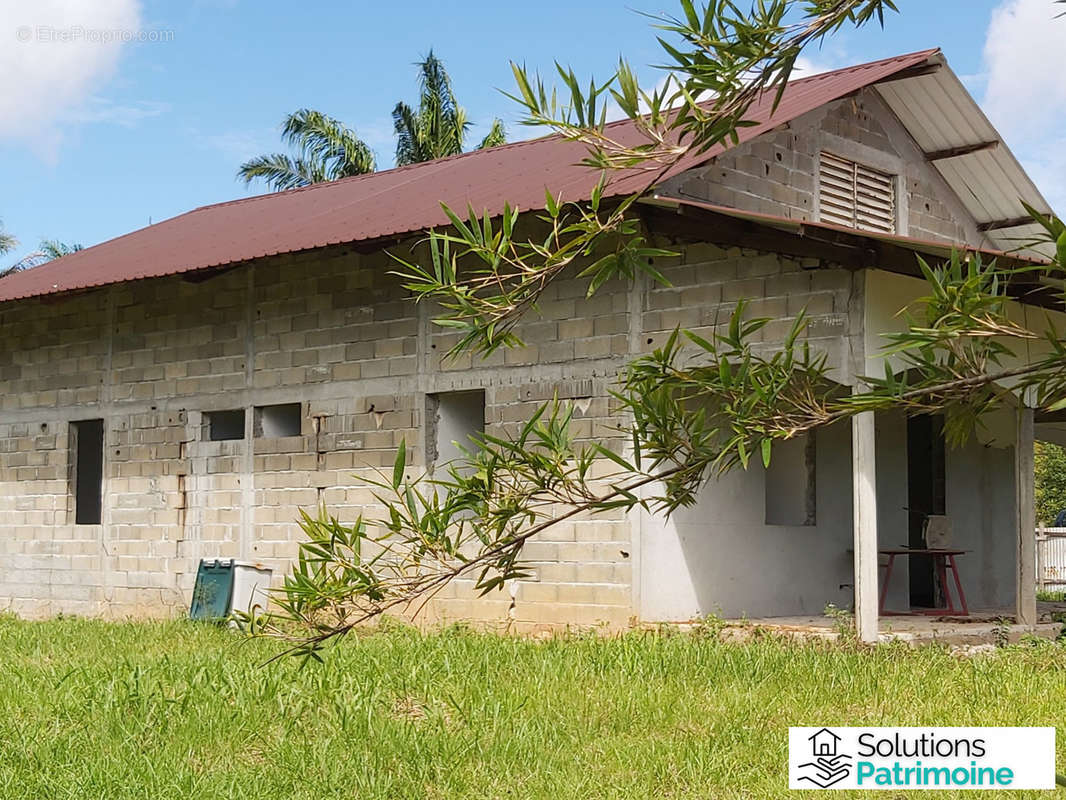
{"x":775,"y":547}
{"x":983,"y":492}
{"x":993,"y":532}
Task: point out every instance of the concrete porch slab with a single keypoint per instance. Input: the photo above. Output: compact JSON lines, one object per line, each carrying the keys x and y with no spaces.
{"x":982,"y":626}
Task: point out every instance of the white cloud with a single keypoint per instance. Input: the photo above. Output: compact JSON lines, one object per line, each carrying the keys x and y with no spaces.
{"x":100,"y":109}
{"x":236,"y":145}
{"x":1025,"y":94}
{"x":1046,"y":164}
{"x":806,"y":67}
{"x":1025,"y":61}
{"x":54,"y":54}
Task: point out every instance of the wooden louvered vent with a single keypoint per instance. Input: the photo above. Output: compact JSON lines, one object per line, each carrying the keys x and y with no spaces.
{"x":857,"y":196}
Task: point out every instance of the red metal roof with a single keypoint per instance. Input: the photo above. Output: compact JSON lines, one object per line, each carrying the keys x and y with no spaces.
{"x":394,"y":202}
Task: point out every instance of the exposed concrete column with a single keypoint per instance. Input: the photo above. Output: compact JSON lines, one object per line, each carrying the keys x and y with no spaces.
{"x":864,"y":489}
{"x":425,"y":378}
{"x":1025,"y":512}
{"x":637,"y":300}
{"x":247,"y":468}
{"x":108,"y":557}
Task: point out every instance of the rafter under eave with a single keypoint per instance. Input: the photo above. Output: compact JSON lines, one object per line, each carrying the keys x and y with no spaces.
{"x":961,"y":150}
{"x":916,"y":71}
{"x":1000,"y":224}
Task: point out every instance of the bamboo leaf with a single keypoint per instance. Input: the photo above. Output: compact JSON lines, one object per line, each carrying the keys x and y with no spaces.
{"x":399,"y":465}
{"x":612,"y":456}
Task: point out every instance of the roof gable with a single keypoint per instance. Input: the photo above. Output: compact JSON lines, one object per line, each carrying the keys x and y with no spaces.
{"x":963,"y":146}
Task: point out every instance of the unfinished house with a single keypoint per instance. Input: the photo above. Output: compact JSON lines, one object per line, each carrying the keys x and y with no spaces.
{"x":182,"y":391}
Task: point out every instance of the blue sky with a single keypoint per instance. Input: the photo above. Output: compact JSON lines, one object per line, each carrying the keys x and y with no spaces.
{"x":98,"y":137}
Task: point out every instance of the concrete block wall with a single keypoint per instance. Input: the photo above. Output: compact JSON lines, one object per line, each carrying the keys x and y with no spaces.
{"x":329,"y":330}
{"x":777,"y":172}
{"x":332,"y":332}
{"x":708,"y":281}
{"x":581,"y":571}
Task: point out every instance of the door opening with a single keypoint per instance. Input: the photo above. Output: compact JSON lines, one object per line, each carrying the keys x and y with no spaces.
{"x":925,"y":495}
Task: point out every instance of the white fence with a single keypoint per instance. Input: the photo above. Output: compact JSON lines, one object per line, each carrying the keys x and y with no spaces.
{"x":1051,"y":559}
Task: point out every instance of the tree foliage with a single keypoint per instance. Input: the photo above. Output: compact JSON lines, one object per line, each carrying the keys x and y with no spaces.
{"x":53,"y":248}
{"x":1050,"y":469}
{"x":48,"y":250}
{"x":7,"y":241}
{"x":325,"y":149}
{"x":694,"y":408}
{"x":438,"y":127}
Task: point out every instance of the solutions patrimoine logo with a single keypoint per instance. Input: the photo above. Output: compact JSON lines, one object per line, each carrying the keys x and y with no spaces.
{"x":921,"y":758}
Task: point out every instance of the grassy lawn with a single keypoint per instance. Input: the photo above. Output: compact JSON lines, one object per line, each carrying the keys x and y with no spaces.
{"x":174,"y":710}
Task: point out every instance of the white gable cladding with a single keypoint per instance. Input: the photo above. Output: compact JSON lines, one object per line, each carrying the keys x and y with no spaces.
{"x":941,"y":116}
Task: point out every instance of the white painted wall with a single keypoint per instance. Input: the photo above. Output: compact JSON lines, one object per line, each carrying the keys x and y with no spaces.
{"x":980,"y":503}
{"x":721,"y":557}
{"x":886,"y":294}
{"x":979,"y":474}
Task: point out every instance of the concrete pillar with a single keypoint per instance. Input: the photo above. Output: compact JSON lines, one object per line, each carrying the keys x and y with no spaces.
{"x":247,"y":467}
{"x":864,"y":485}
{"x":1025,"y":510}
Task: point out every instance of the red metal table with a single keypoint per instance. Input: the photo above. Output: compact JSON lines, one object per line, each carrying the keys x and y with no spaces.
{"x":943,"y":561}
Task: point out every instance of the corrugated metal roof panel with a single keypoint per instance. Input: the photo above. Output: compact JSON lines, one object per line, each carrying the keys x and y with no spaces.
{"x":394,"y":202}
{"x":940,"y":114}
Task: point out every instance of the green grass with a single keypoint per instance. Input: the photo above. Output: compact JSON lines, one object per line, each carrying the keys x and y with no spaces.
{"x":176,"y":710}
{"x":1051,"y":597}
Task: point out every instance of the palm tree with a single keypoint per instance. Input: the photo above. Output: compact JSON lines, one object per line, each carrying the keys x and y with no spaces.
{"x":7,"y":241}
{"x":496,"y":136}
{"x":438,"y":128}
{"x":50,"y":250}
{"x":7,"y":244}
{"x":325,"y":150}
